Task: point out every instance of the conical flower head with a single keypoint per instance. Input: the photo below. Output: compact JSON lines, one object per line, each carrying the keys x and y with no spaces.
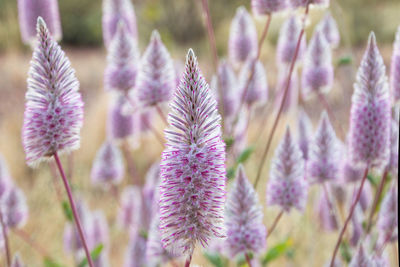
{"x":244,"y":218}
{"x":17,"y":262}
{"x":114,"y":12}
{"x":369,"y":137}
{"x":356,"y":222}
{"x":317,"y":76}
{"x":292,"y":96}
{"x":100,"y":236}
{"x":365,"y":197}
{"x":287,"y":42}
{"x":123,"y":58}
{"x":257,"y":90}
{"x":263,"y":7}
{"x":136,"y":251}
{"x":329,"y":29}
{"x":242,"y":37}
{"x":304,"y":133}
{"x":15,"y":208}
{"x":323,"y":164}
{"x":54,"y":109}
{"x":327,"y":220}
{"x":395,"y":67}
{"x":121,"y":125}
{"x":108,"y":166}
{"x":287,"y":186}
{"x":303,"y":3}
{"x":361,"y":258}
{"x":394,"y":149}
{"x":156,"y":77}
{"x":129,"y":211}
{"x":388,"y":216}
{"x":28,"y":13}
{"x":192,"y":190}
{"x":5,"y":178}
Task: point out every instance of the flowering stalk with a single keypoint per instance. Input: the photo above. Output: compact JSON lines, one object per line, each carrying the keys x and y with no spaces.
{"x":275,"y":223}
{"x":5,"y":238}
{"x":248,"y":259}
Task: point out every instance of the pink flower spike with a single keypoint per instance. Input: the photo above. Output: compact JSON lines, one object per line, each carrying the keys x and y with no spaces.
{"x":5,"y":178}
{"x":388,"y":216}
{"x":287,"y":186}
{"x":395,"y":68}
{"x":100,"y":236}
{"x":328,"y":221}
{"x":361,"y":258}
{"x":394,"y":148}
{"x":329,"y":28}
{"x":369,"y":135}
{"x":291,"y":101}
{"x":120,"y":125}
{"x":135,"y":255}
{"x":15,"y":208}
{"x":264,"y":7}
{"x":54,"y":109}
{"x":192,"y":190}
{"x":304,"y":133}
{"x":130,"y":204}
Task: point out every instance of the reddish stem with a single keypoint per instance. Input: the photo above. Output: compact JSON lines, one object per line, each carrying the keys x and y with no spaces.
{"x":246,"y":255}
{"x":188,"y":260}
{"x":271,"y":135}
{"x":161,"y":114}
{"x":210,"y":32}
{"x":274,"y":224}
{"x":28,"y":239}
{"x":376,"y":200}
{"x":352,"y":208}
{"x":332,"y":212}
{"x":331,"y":113}
{"x":5,"y":237}
{"x":74,"y":211}
{"x":130,"y":163}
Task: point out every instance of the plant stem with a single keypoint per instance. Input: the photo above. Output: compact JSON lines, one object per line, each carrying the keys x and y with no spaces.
{"x":28,"y":239}
{"x":376,"y":200}
{"x":332,"y":211}
{"x":130,"y":162}
{"x":331,"y":114}
{"x":74,"y":211}
{"x":352,"y":208}
{"x":246,"y":255}
{"x":5,"y":237}
{"x":156,"y":134}
{"x":210,"y":32}
{"x":274,"y":224}
{"x":188,"y":260}
{"x":161,"y":114}
{"x":274,"y":126}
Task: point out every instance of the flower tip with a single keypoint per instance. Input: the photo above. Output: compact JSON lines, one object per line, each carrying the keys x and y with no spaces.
{"x":40,"y":24}
{"x":155,"y":36}
{"x":190,"y":55}
{"x":241,"y":10}
{"x":372,"y":40}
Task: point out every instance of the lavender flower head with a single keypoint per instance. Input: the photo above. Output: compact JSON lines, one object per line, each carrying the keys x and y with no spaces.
{"x":303,"y":3}
{"x":369,"y":136}
{"x":327,"y":220}
{"x":17,"y":262}
{"x":123,"y":55}
{"x":121,"y":125}
{"x":136,"y":251}
{"x":115,"y":11}
{"x":395,"y":67}
{"x":304,"y":133}
{"x":388,"y":216}
{"x":54,"y":109}
{"x":108,"y":166}
{"x":257,"y":91}
{"x":15,"y":209}
{"x":128,"y":213}
{"x":365,"y":197}
{"x":287,"y":42}
{"x":244,"y":218}
{"x":317,"y":76}
{"x":5,"y":178}
{"x":100,"y":236}
{"x":28,"y":13}
{"x":156,"y":77}
{"x":263,"y":7}
{"x":323,"y":164}
{"x":242,"y":37}
{"x":330,"y":30}
{"x":291,"y":100}
{"x":361,"y":258}
{"x":356,"y":222}
{"x":348,"y":172}
{"x":192,"y":190}
{"x":394,"y":149}
{"x":287,"y":186}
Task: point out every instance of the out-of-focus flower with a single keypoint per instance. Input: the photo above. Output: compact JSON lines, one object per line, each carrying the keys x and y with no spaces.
{"x":115,"y":11}
{"x":395,"y":67}
{"x":365,"y":197}
{"x":122,"y":61}
{"x":108,"y":166}
{"x":149,"y":191}
{"x":121,"y":125}
{"x":15,"y":209}
{"x":54,"y":109}
{"x":361,"y":258}
{"x":135,"y":255}
{"x":303,"y":3}
{"x":388,"y":216}
{"x":323,"y":164}
{"x":17,"y":262}
{"x":5,"y":178}
{"x":129,"y":211}
{"x":192,"y":190}
{"x":369,"y":137}
{"x":246,"y":232}
{"x":287,"y":186}
{"x":156,"y":77}
{"x":263,"y":7}
{"x":28,"y":13}
{"x":327,"y":219}
{"x":304,"y":133}
{"x":291,"y":100}
{"x":146,"y":118}
{"x":348,"y":172}
{"x":356,"y":222}
{"x":287,"y":42}
{"x":242,"y":37}
{"x":100,"y":236}
{"x":394,"y":149}
{"x":317,"y":76}
{"x":330,"y":30}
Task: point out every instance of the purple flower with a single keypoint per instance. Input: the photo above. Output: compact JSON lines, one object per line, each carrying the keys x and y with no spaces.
{"x":15,"y":209}
{"x":115,"y":11}
{"x":395,"y":67}
{"x":291,"y":100}
{"x":240,"y":133}
{"x":108,"y":166}
{"x":369,"y":137}
{"x":388,"y":216}
{"x":145,"y":118}
{"x":257,"y":90}
{"x":242,"y":37}
{"x":129,"y":208}
{"x":263,"y":7}
{"x":119,"y":124}
{"x":327,"y":219}
{"x":244,"y":218}
{"x":304,"y":133}
{"x":17,"y":262}
{"x":5,"y":178}
{"x":348,"y":172}
{"x":149,"y":192}
{"x":330,"y":30}
{"x":123,"y":56}
{"x":28,"y":13}
{"x":317,"y":76}
{"x":323,"y":163}
{"x":394,"y":149}
{"x":303,"y":3}
{"x":100,"y":236}
{"x":156,"y":77}
{"x":365,"y":197}
{"x":287,"y":186}
{"x":54,"y":109}
{"x":135,"y":255}
{"x":192,"y":190}
{"x":356,"y":222}
{"x":287,"y":42}
{"x":361,"y":258}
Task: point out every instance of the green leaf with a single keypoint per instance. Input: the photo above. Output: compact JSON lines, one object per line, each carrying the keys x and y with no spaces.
{"x":245,"y":155}
{"x":67,"y":211}
{"x":230,"y":173}
{"x":345,"y":60}
{"x":372,"y":180}
{"x":95,"y":253}
{"x":345,"y":251}
{"x":277,"y":251}
{"x":215,"y":259}
{"x":229,"y":142}
{"x":51,"y":263}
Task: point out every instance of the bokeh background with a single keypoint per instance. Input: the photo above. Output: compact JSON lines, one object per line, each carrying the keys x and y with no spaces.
{"x":181,"y":25}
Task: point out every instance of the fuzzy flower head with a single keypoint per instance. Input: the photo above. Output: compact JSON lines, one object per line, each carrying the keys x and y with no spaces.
{"x":304,"y":133}
{"x":135,"y":255}
{"x":329,"y":28}
{"x":303,"y":3}
{"x":348,"y":172}
{"x":28,"y":13}
{"x":123,"y":57}
{"x":369,"y":137}
{"x":54,"y":109}
{"x":156,"y":77}
{"x":394,"y":148}
{"x":121,"y":125}
{"x":129,"y":211}
{"x":263,"y":7}
{"x":361,"y":258}
{"x":114,"y":12}
{"x":192,"y":190}
{"x":395,"y":68}
{"x":287,"y":42}
{"x":17,"y":262}
{"x":15,"y":208}
{"x":245,"y":229}
{"x":323,"y":165}
{"x":317,"y":76}
{"x":257,"y":90}
{"x":108,"y":166}
{"x":5,"y":178}
{"x":292,"y":96}
{"x":242,"y":37}
{"x":327,"y":219}
{"x":287,"y":186}
{"x":388,"y":216}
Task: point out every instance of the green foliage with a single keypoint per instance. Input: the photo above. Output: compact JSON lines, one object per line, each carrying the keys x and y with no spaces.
{"x":67,"y":211}
{"x":95,"y":253}
{"x":51,"y":263}
{"x":345,"y":251}
{"x":277,"y":251}
{"x":245,"y":155}
{"x":216,"y":259}
{"x":345,"y":60}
